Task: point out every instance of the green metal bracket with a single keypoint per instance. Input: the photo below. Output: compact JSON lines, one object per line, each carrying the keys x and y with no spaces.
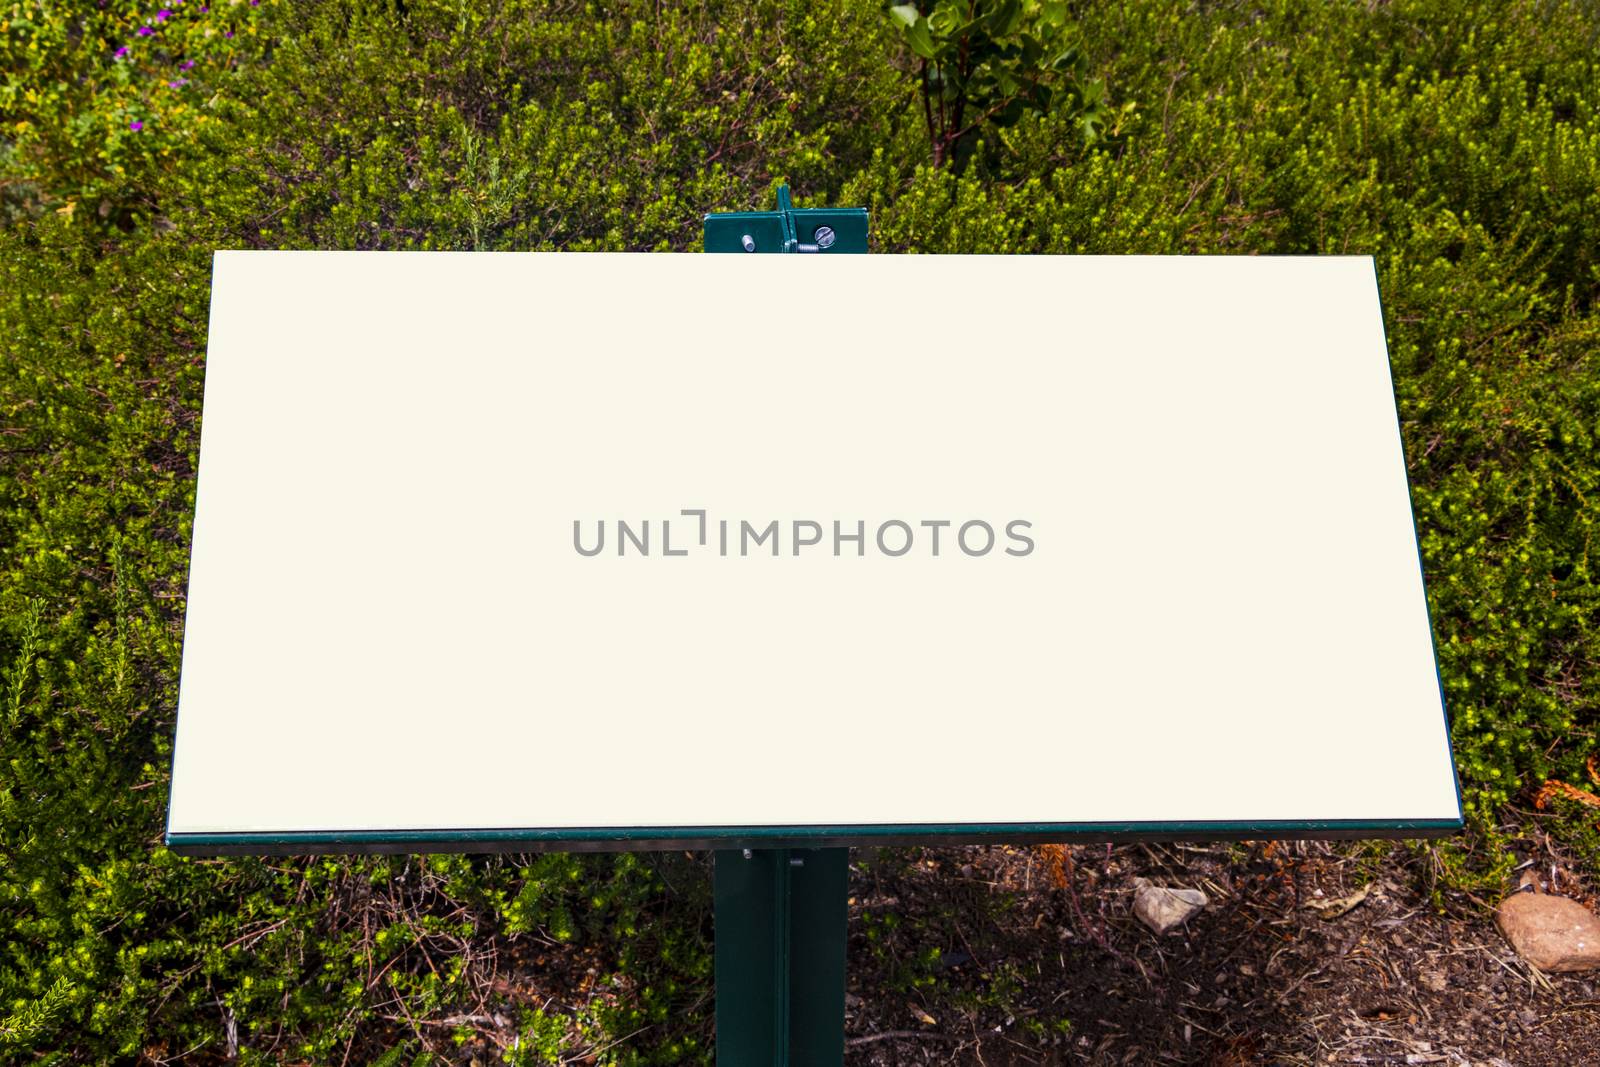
{"x":780,"y":956}
{"x":831,"y":230}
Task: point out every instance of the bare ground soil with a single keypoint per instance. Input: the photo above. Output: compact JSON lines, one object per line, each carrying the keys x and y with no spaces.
{"x":997,"y":956}
{"x":990,"y":956}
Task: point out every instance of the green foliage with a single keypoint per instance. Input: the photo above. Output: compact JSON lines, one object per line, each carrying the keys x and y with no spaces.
{"x":585,"y":127}
{"x":1455,"y":141}
{"x":991,"y":62}
{"x":98,"y":100}
{"x":24,"y":1026}
{"x":1579,"y":826}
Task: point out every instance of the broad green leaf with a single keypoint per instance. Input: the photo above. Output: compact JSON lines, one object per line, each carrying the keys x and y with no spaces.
{"x":1011,"y":113}
{"x":1005,"y":19}
{"x":921,"y":40}
{"x":905,"y":14}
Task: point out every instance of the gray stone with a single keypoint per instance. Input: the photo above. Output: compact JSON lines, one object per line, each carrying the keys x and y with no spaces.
{"x":1161,"y":908}
{"x":1552,"y":933}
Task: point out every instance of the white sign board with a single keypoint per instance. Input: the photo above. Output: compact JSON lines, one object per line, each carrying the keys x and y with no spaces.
{"x":520,"y":550}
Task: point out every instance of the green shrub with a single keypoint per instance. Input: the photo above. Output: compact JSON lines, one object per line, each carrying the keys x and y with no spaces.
{"x":100,"y":103}
{"x":1456,"y":141}
{"x":987,"y":63}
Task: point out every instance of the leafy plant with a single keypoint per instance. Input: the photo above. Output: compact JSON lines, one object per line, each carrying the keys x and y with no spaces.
{"x":1455,"y":141}
{"x":992,"y":62}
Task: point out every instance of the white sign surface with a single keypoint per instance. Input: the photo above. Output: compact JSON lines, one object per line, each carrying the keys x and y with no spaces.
{"x":594,"y":543}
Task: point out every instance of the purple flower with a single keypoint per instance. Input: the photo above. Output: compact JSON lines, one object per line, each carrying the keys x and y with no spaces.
{"x":145,"y":31}
{"x":122,"y":52}
{"x":178,"y":83}
{"x":163,"y":15}
{"x":228,"y":34}
{"x":135,"y":125}
{"x":186,"y":66}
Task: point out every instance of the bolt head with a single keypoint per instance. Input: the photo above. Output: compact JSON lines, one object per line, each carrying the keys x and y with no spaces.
{"x":824,"y":237}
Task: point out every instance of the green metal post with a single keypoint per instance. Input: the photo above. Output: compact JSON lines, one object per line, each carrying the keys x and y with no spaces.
{"x":780,"y":956}
{"x":780,"y":912}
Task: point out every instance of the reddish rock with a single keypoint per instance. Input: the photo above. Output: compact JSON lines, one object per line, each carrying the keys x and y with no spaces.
{"x":1552,"y":933}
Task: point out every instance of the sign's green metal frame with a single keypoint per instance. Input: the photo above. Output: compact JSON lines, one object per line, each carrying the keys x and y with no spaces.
{"x":862,"y":835}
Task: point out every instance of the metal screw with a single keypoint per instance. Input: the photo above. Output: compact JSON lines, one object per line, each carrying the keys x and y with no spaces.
{"x":747,"y":852}
{"x":824,"y":237}
{"x":748,"y":242}
{"x":796,"y":861}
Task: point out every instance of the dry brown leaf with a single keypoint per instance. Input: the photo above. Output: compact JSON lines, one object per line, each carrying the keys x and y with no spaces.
{"x":1553,"y":788}
{"x":1332,"y":909}
{"x":1055,"y":858}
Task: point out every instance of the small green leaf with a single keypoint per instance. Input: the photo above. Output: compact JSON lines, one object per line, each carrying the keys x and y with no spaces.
{"x":1066,"y":60}
{"x":945,"y":22}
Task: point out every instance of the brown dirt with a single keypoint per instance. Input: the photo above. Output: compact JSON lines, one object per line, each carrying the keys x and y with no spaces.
{"x":972,"y":955}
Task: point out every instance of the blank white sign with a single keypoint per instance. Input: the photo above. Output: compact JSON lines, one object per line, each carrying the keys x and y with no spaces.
{"x":1201,"y":609}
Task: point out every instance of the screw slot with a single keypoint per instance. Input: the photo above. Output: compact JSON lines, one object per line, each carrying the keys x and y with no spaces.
{"x":824,"y":237}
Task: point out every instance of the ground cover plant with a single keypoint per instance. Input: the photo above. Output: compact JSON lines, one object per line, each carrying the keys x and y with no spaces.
{"x":1456,"y":141}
